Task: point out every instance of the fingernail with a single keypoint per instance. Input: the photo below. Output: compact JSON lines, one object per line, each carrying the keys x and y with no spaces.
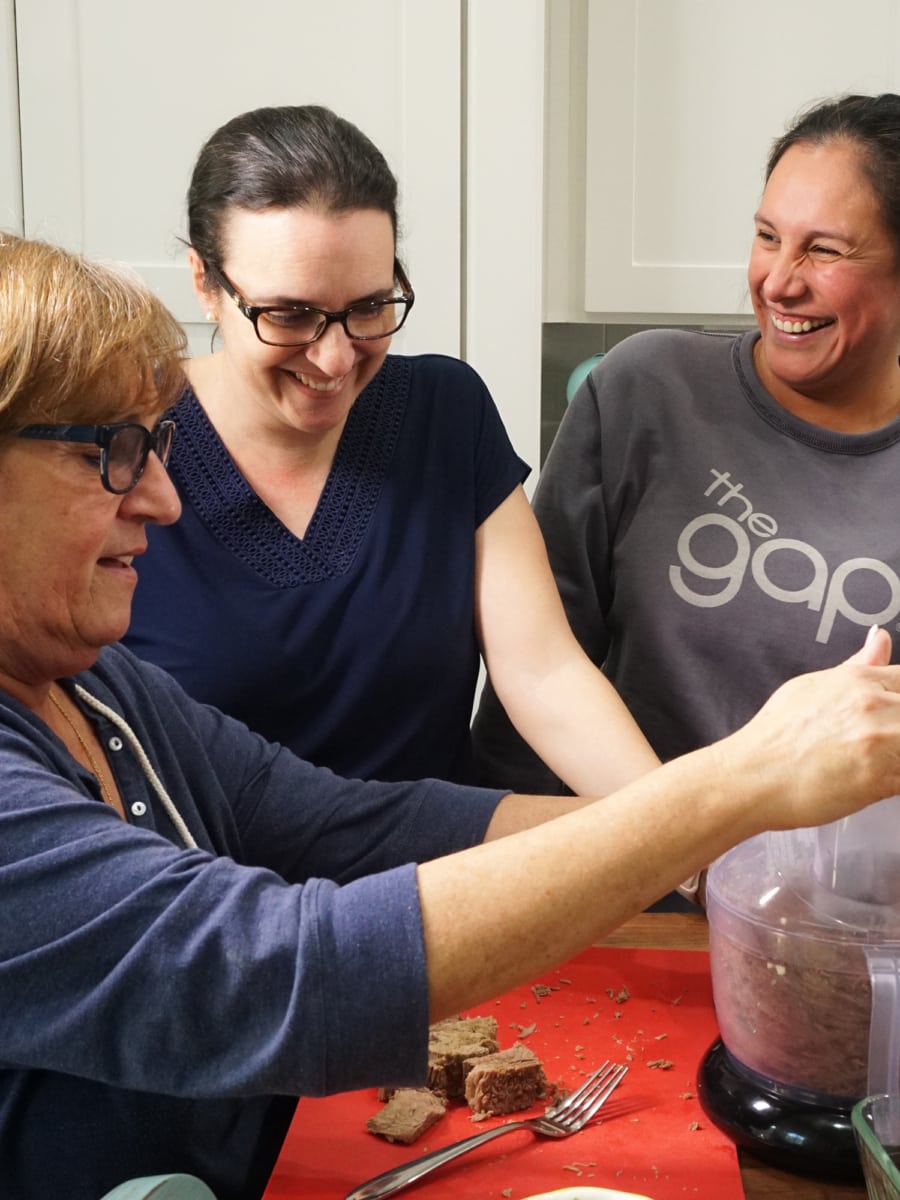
{"x":873,"y":629}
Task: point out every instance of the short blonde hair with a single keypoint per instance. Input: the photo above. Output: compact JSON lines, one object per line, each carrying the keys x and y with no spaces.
{"x":80,"y":341}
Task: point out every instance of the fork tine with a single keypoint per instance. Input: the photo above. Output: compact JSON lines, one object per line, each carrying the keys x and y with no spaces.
{"x":588,"y":1106}
{"x":568,"y":1102}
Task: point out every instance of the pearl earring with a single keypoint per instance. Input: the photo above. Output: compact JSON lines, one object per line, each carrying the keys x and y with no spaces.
{"x":210,"y":316}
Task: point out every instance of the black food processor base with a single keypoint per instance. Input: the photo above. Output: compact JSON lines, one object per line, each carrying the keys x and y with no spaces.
{"x":798,"y":1136}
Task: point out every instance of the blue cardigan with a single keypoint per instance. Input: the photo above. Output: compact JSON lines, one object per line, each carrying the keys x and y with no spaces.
{"x":160,"y":1007}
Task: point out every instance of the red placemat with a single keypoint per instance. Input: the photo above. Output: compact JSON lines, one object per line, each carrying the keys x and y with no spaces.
{"x":650,"y":1008}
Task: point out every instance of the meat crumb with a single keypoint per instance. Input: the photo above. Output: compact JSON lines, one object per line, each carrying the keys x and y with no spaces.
{"x":542,"y":989}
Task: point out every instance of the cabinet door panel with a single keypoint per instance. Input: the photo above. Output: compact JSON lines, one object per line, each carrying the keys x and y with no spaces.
{"x":684,"y":98}
{"x":116,"y":100}
{"x":10,"y":164}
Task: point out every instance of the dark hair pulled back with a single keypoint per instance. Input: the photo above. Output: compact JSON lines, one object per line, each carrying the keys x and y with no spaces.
{"x":282,"y":157}
{"x":872,"y":124}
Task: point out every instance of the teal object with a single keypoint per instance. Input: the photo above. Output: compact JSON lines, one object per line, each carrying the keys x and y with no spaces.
{"x":579,"y":375}
{"x":161,"y":1187}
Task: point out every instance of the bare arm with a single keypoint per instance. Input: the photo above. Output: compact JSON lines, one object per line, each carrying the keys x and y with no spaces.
{"x":825,"y":745}
{"x":565,"y":708}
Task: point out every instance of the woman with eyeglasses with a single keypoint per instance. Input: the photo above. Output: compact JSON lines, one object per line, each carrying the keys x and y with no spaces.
{"x":187,"y":909}
{"x":355,"y":535}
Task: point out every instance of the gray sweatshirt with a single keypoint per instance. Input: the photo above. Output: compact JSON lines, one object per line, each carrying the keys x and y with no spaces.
{"x":708,"y":545}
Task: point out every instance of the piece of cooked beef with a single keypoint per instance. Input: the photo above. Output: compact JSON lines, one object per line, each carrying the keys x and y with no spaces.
{"x":450,"y":1044}
{"x":406,"y":1116}
{"x":504,"y":1082}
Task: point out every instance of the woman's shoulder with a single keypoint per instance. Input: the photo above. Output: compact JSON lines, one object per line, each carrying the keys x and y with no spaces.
{"x":668,"y":344}
{"x":656,"y":362}
{"x":125,"y":674}
{"x":649,"y":372}
{"x":440,"y":369}
{"x":443,"y":387}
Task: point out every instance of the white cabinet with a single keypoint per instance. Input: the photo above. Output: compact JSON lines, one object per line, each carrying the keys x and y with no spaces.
{"x":115,"y":100}
{"x":10,"y":174}
{"x":661,"y":117}
{"x":503,"y":286}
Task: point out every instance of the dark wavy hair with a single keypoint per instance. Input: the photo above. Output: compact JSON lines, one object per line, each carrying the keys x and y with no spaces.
{"x":872,"y":124}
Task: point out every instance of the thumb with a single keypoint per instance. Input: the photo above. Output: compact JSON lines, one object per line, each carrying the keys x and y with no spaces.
{"x":876,"y":650}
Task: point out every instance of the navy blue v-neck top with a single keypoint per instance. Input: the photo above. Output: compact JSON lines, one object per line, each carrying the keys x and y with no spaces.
{"x":355,"y":646}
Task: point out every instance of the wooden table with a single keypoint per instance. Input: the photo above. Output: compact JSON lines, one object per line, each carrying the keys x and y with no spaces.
{"x":689,"y":931}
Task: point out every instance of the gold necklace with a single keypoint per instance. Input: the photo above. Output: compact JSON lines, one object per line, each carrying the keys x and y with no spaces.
{"x":105,"y":791}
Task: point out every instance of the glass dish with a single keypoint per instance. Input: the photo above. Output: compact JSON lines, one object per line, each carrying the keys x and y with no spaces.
{"x":876,"y":1124}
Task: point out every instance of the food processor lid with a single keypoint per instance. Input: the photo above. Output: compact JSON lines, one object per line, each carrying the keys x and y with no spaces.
{"x":787,"y":881}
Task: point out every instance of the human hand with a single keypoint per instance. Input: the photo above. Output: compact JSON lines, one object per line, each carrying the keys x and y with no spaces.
{"x":826,"y":743}
{"x":876,"y":650}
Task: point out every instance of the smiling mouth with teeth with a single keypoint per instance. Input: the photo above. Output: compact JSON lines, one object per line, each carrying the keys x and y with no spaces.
{"x":319,"y":385}
{"x":805,"y":326}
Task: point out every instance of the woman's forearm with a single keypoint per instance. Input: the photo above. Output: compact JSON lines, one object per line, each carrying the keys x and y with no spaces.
{"x":559,"y":702}
{"x":501,"y":913}
{"x":823,"y":746}
{"x":578,"y":724}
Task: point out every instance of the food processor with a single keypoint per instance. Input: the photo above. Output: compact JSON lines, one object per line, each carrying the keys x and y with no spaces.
{"x":804,"y":937}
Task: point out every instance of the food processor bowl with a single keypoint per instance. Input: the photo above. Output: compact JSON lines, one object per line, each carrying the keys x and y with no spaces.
{"x":805,"y":958}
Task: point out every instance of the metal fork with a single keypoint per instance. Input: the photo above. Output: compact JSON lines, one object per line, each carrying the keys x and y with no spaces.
{"x":563,"y":1119}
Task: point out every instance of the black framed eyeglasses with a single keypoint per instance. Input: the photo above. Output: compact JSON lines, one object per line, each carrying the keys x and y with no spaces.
{"x":124,"y":448}
{"x":300,"y":324}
